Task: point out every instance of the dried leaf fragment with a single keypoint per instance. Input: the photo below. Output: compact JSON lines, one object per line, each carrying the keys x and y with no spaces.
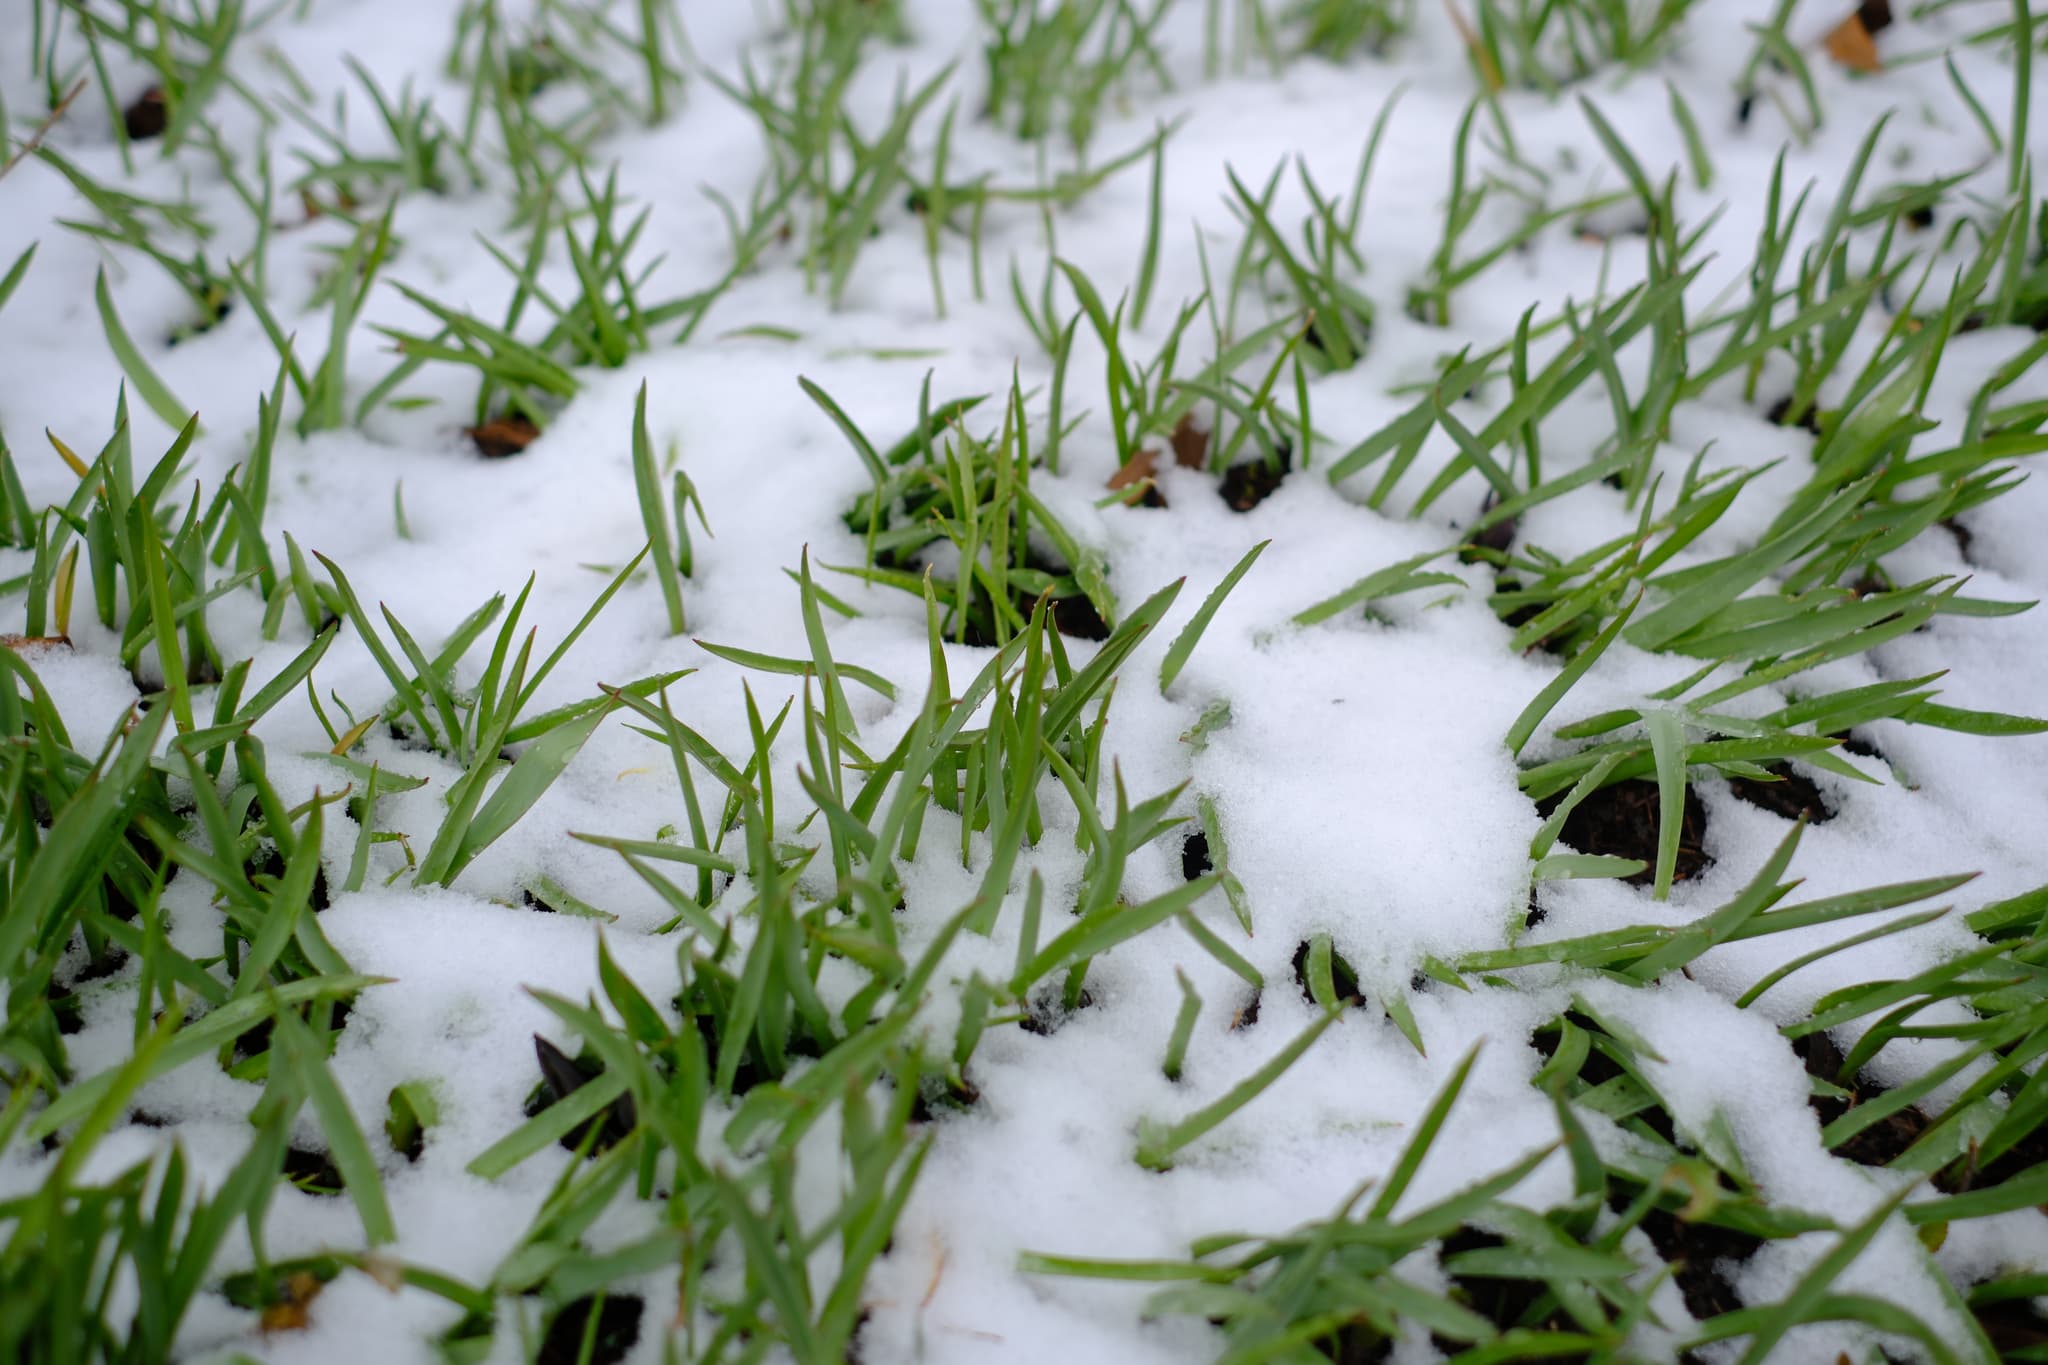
{"x":1140,"y":475}
{"x":1190,"y":443}
{"x":1853,"y":42}
{"x":502,"y":436}
{"x":296,"y":1294}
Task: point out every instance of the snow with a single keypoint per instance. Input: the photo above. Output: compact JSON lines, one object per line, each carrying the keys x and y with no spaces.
{"x":1361,"y":786}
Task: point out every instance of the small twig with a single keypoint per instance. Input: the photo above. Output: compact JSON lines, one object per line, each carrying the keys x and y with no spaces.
{"x":42,"y":131}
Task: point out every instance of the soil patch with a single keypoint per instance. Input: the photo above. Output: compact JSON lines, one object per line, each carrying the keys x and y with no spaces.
{"x":1247,"y":485}
{"x":1881,"y":1142}
{"x":313,"y":1172}
{"x":2014,"y":1328}
{"x":561,"y":1076}
{"x":1697,"y":1252}
{"x":1246,"y":1014}
{"x":1621,"y":821}
{"x":1491,"y":541}
{"x":1048,"y":1013}
{"x":1504,"y":1301}
{"x":1793,"y":795}
{"x":1343,"y":980}
{"x":147,"y":117}
{"x":616,"y":1329}
{"x":1808,"y":421}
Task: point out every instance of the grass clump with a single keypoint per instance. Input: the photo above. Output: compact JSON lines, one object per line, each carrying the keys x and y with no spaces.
{"x":941,"y":489}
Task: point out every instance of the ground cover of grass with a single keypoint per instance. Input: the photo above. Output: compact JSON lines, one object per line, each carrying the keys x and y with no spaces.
{"x":1126,"y":680}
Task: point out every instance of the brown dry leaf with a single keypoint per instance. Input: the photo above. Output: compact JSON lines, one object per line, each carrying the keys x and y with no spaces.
{"x":1850,"y":43}
{"x":1138,"y":474}
{"x":1190,"y":443}
{"x":34,"y":641}
{"x":289,"y":1313}
{"x":502,"y":436}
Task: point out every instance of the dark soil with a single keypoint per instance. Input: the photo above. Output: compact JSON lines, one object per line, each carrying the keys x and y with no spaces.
{"x":1343,"y":980}
{"x":941,"y":1095}
{"x":1809,"y":421}
{"x":1246,"y":1014}
{"x":1599,"y":1068}
{"x":563,"y":1075}
{"x":1793,"y":795}
{"x":314,"y":1172}
{"x":1697,"y":1251}
{"x":1494,"y":539}
{"x":702,"y":1005}
{"x":1965,"y":1174}
{"x":414,"y":1146}
{"x":1501,"y":1300}
{"x":69,"y":1010}
{"x":101,"y":967}
{"x":147,"y":117}
{"x":618,"y":1328}
{"x":1355,"y":324}
{"x":1557,"y":642}
{"x":1964,"y":537}
{"x":270,"y":863}
{"x":1621,"y":821}
{"x":1194,"y":856}
{"x":1884,"y":1141}
{"x":2013,"y":1327}
{"x":199,"y":672}
{"x":502,"y":437}
{"x":254,"y":1041}
{"x":1074,"y":617}
{"x":211,"y":314}
{"x":1355,"y":1344}
{"x":1880,"y":1143}
{"x":1049,"y":1013}
{"x":1077,"y":619}
{"x":1247,"y":485}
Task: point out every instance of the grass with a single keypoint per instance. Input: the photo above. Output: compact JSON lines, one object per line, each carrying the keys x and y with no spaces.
{"x":1052,"y":69}
{"x":753,"y":1133}
{"x":600,"y":319}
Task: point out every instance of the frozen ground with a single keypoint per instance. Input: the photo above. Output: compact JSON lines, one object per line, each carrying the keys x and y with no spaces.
{"x":1360,"y":784}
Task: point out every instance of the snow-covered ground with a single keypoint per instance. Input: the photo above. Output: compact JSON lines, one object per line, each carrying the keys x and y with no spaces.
{"x":1361,"y":784}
